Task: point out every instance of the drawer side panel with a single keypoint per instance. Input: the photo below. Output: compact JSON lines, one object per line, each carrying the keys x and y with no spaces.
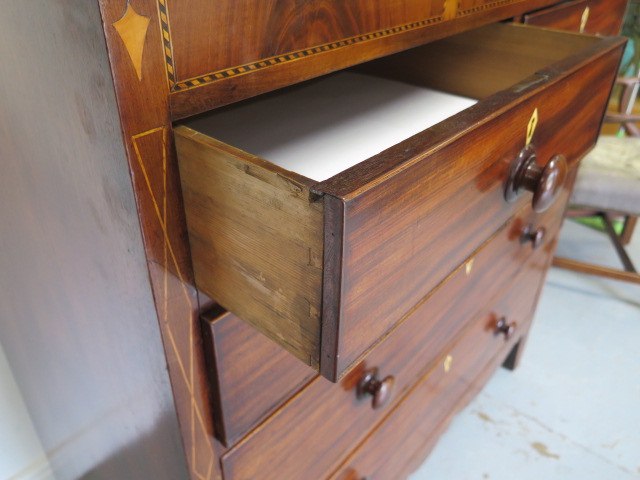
{"x":256,"y":241}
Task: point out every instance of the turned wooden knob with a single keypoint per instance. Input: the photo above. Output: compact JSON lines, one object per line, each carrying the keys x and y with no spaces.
{"x":505,"y":328}
{"x":535,"y":236}
{"x":545,"y":182}
{"x":380,"y":390}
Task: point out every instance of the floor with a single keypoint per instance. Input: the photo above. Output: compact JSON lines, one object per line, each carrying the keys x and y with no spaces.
{"x":572,"y":409}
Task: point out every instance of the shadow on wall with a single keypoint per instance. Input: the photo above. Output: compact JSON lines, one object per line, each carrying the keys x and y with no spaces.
{"x":137,"y":460}
{"x":22,"y":456}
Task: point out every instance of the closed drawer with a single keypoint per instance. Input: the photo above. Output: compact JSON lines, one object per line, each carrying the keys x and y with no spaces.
{"x":222,"y":51}
{"x":224,"y":35}
{"x":413,"y":427}
{"x":317,"y":427}
{"x":250,"y":375}
{"x":601,"y":17}
{"x":328,"y":268}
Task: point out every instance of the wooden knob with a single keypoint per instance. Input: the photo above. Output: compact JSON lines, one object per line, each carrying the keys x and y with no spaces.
{"x":380,"y":390}
{"x":505,"y":328}
{"x":535,"y":236}
{"x":545,"y":182}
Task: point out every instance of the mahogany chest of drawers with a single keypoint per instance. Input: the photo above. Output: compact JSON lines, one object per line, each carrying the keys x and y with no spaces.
{"x":232,"y":317}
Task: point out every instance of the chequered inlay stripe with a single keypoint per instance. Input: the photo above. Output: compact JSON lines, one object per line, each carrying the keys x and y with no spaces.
{"x":291,"y":56}
{"x":279,"y":59}
{"x":485,"y":7}
{"x":166,"y":40}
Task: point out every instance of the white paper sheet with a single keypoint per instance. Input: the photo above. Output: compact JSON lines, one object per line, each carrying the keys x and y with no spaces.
{"x":321,"y":128}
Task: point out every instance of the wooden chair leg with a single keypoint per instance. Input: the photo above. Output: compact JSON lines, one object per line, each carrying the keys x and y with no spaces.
{"x":615,"y":239}
{"x":629,"y":274}
{"x":627,"y":231}
{"x":582,"y":267}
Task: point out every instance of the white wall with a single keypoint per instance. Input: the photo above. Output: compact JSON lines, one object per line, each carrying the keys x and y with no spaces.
{"x":21,"y":454}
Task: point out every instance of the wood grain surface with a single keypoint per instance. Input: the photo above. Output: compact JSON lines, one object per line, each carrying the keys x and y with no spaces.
{"x":303,"y":22}
{"x":606,"y":16}
{"x":603,"y":17}
{"x":250,"y":374}
{"x":568,"y":16}
{"x":142,"y":100}
{"x":401,"y":236}
{"x":206,"y":42}
{"x":414,"y":426}
{"x":327,"y":418}
{"x":256,"y":239}
{"x":385,"y":218}
{"x":497,"y":57}
{"x":100,"y":312}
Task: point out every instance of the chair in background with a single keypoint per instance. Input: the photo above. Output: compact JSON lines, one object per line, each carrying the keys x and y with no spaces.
{"x":608,"y":185}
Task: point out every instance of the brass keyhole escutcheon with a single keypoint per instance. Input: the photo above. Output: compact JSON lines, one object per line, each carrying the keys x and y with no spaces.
{"x":469,"y":266}
{"x":531,"y":127}
{"x":584,"y":19}
{"x":447,"y":363}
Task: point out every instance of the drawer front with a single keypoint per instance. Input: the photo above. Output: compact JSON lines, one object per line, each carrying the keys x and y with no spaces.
{"x":314,"y":430}
{"x":256,"y":240}
{"x":210,"y":41}
{"x":404,"y":228}
{"x":413,"y":427}
{"x":250,"y":375}
{"x":602,"y":17}
{"x":606,"y":17}
{"x":223,"y":51}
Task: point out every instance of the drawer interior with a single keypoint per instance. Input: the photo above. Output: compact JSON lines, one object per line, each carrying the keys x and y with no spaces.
{"x":321,"y":128}
{"x":482,"y":62}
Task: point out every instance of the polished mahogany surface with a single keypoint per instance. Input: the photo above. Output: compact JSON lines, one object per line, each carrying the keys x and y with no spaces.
{"x":401,"y":236}
{"x":601,"y":17}
{"x":207,"y":42}
{"x":396,"y":448}
{"x":251,"y":376}
{"x":397,"y":223}
{"x":206,"y":67}
{"x":327,"y":418}
{"x":135,"y":46}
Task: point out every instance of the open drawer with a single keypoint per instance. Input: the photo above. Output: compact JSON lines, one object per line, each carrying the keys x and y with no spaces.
{"x":327,"y":268}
